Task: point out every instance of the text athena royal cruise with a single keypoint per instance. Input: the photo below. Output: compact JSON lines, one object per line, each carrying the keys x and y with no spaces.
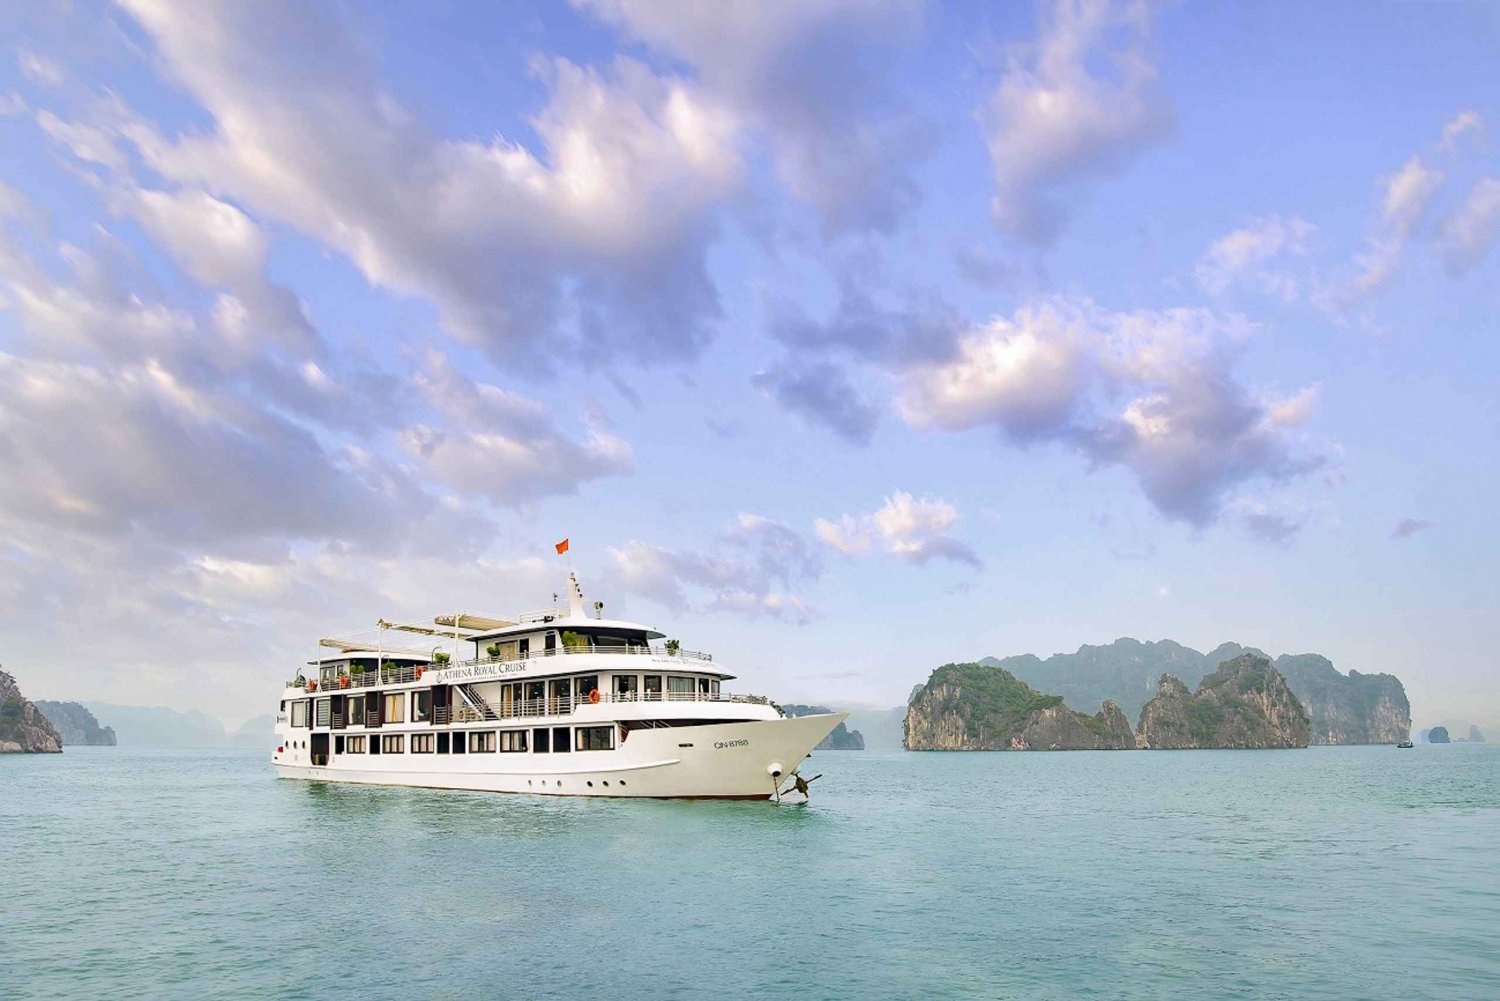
{"x":556,"y":703}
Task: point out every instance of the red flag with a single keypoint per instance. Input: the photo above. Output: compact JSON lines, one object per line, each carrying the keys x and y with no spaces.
{"x":562,"y":547}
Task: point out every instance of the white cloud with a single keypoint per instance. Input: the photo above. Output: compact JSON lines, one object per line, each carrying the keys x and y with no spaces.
{"x":39,"y":69}
{"x":1080,"y":101}
{"x":1466,"y":121}
{"x":598,"y":240}
{"x":11,"y":105}
{"x":1152,"y":391}
{"x":914,"y":529}
{"x":1471,"y":230}
{"x":1241,"y":254}
{"x":504,"y":446}
{"x":752,"y":569}
{"x":816,"y":77}
{"x":1024,"y":374}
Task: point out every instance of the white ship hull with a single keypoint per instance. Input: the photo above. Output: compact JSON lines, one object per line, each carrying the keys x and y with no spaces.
{"x":714,"y":761}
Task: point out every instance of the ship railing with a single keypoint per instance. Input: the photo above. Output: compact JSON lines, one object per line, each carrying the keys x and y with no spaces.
{"x":386,"y":674}
{"x":592,"y":648}
{"x":566,"y":705}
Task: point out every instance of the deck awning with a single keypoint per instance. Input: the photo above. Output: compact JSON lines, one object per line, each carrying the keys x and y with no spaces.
{"x":365,"y":647}
{"x":474,"y":622}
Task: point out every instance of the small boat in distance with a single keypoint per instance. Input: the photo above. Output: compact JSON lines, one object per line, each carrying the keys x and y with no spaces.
{"x":556,"y":703}
{"x":1406,"y":743}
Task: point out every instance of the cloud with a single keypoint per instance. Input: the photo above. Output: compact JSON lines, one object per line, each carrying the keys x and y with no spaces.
{"x":12,"y":105}
{"x":818,"y":79}
{"x":1469,"y":232}
{"x":1466,"y":121}
{"x":1153,"y":391}
{"x":1407,"y":527}
{"x":822,"y":393}
{"x":1240,"y":254}
{"x":1024,"y":375}
{"x":751,"y":570}
{"x":914,"y":529}
{"x":1079,"y":102}
{"x":39,"y":69}
{"x":596,"y":241}
{"x":504,"y":446}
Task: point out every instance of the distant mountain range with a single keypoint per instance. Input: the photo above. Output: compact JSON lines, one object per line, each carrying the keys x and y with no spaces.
{"x":841,"y":739}
{"x":76,"y":725}
{"x":158,"y":726}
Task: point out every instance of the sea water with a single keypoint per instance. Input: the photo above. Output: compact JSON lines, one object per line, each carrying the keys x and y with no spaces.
{"x":1362,"y":872}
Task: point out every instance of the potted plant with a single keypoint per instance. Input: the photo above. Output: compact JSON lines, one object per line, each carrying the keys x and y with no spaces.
{"x":673,"y":646}
{"x":573,"y":641}
{"x":493,"y":650}
{"x":440,"y":657}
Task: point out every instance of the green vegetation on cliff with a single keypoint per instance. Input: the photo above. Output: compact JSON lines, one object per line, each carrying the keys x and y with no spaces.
{"x":975,"y":707}
{"x":1244,"y":704}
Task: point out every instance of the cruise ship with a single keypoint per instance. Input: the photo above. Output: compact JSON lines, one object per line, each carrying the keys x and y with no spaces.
{"x":562,"y":702}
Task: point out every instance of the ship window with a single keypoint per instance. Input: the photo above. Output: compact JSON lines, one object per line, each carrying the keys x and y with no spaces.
{"x":422,"y":743}
{"x":355,"y":745}
{"x":594,"y":738}
{"x":702,"y":686}
{"x":560,"y":742}
{"x":627,"y":686}
{"x":512,"y":741}
{"x":458,"y":743}
{"x":482,"y":742}
{"x":679,"y":687}
{"x":442,"y":743}
{"x":338,"y":745}
{"x":356,"y":710}
{"x":421,"y":706}
{"x":299,"y":713}
{"x":541,"y":740}
{"x":653,"y":688}
{"x":323,"y":711}
{"x":375,"y":746}
{"x":392,"y":743}
{"x":585,"y":684}
{"x":395,"y":707}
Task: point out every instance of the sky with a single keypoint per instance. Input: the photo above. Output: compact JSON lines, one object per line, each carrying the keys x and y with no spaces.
{"x":841,"y":339}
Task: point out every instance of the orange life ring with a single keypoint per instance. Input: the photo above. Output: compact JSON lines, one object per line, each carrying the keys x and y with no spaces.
{"x":312,"y":686}
{"x":344,"y":681}
{"x":419,"y":672}
{"x":594,"y":696}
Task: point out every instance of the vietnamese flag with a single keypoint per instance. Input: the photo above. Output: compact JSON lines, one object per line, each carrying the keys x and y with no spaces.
{"x":562,"y":547}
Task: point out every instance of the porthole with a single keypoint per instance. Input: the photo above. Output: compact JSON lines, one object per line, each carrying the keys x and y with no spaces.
{"x":622,"y":782}
{"x":559,"y":784}
{"x":606,"y":783}
{"x":591,"y":785}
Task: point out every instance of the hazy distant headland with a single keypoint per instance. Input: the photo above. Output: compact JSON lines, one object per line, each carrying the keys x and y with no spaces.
{"x":841,"y":739}
{"x":76,"y":725}
{"x":158,"y":726}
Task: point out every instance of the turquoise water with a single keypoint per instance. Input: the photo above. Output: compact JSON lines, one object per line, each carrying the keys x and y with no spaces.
{"x":1331,"y":872}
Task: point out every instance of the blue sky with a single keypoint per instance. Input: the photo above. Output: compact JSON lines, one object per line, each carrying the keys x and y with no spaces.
{"x":843,"y":339}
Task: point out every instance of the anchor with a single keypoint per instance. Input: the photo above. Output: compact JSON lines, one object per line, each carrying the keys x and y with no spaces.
{"x":799,"y":784}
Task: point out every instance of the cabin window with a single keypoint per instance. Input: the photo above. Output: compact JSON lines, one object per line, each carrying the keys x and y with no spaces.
{"x":422,"y":743}
{"x":585,"y":684}
{"x":627,"y":687}
{"x":299,"y":713}
{"x":679,"y":687}
{"x":653,"y":688}
{"x":393,"y":743}
{"x":560,"y":742}
{"x":354,"y":745}
{"x":338,"y":745}
{"x":702,"y":686}
{"x":323,"y":712}
{"x":594,"y":738}
{"x":550,"y":643}
{"x":356,"y":710}
{"x":541,"y":740}
{"x":482,"y":742}
{"x":395,"y":707}
{"x":512,"y":741}
{"x":559,"y":691}
{"x":523,"y":647}
{"x":458,"y":743}
{"x":442,"y":743}
{"x":535,"y":691}
{"x":421,"y":706}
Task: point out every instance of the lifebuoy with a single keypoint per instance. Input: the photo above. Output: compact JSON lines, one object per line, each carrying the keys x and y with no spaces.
{"x":594,"y":696}
{"x":419,"y":672}
{"x":344,"y":681}
{"x":312,"y":686}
